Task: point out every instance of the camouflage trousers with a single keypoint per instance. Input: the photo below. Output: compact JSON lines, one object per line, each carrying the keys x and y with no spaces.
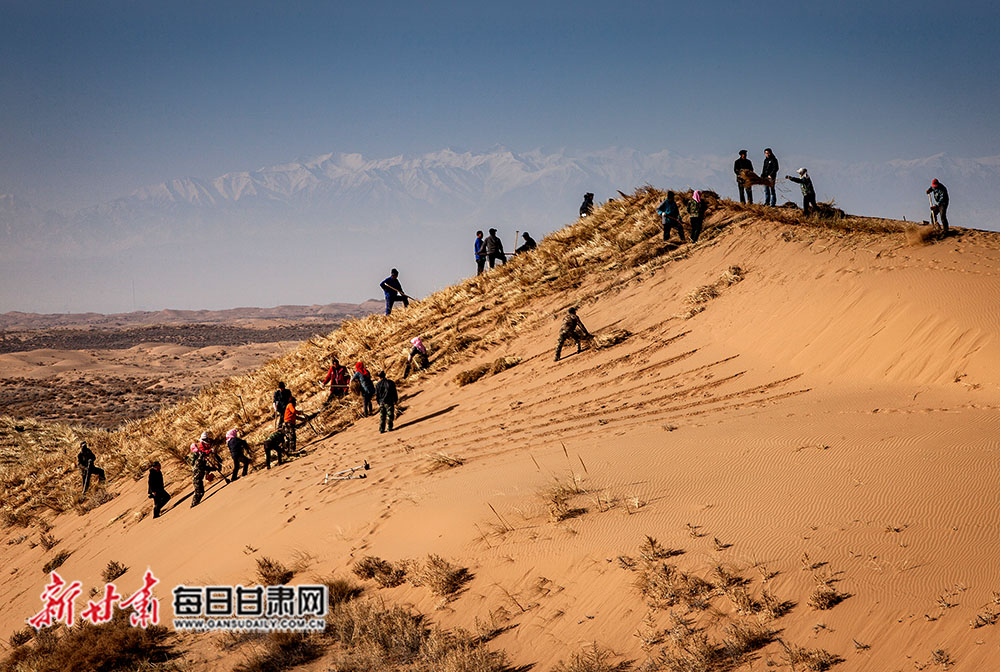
{"x":198,"y":474}
{"x":565,"y":336}
{"x":289,"y":429}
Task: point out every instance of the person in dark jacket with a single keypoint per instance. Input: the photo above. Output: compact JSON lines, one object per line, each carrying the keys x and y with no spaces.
{"x":274,"y":444}
{"x":671,"y":217}
{"x":365,"y":385}
{"x":393,"y":291}
{"x":281,"y":397}
{"x":808,"y":192}
{"x":238,"y":451}
{"x":85,"y":460}
{"x":156,"y":491}
{"x":529,"y":244}
{"x":939,"y":193}
{"x":572,"y":327}
{"x":386,"y":396}
{"x":741,"y":164}
{"x":770,"y":172}
{"x":588,"y":204}
{"x":494,"y":249}
{"x":696,"y":215}
{"x":480,"y":254}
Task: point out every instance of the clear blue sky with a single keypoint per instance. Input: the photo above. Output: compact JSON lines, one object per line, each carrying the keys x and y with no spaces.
{"x":99,"y":98}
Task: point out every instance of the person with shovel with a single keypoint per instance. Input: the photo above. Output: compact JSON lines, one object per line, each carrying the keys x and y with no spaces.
{"x":86,"y":461}
{"x":671,"y":216}
{"x":939,"y":193}
{"x":494,"y":249}
{"x":572,"y":328}
{"x":393,"y":291}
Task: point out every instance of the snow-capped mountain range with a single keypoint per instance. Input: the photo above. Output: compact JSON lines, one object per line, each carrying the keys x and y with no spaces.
{"x":429,"y":205}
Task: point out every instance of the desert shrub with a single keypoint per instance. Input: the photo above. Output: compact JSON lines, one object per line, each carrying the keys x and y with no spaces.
{"x":47,"y":541}
{"x":814,"y":660}
{"x":110,"y":647}
{"x":495,"y":367}
{"x":340,"y":590}
{"x":113,"y":570}
{"x":21,"y":637}
{"x":272,"y":573}
{"x":438,"y":461}
{"x":825,"y":597}
{"x":56,"y":561}
{"x":385,"y":573}
{"x":442,"y":577}
{"x":593,"y":659}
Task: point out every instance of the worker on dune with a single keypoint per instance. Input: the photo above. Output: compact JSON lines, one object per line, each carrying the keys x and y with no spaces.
{"x":365,"y":385}
{"x":85,"y":459}
{"x":387,"y":398}
{"x":741,"y":164}
{"x":494,"y":249}
{"x":696,"y":214}
{"x":202,"y":457}
{"x":281,"y":397}
{"x":393,"y":291}
{"x":480,"y":253}
{"x":417,"y":356}
{"x":291,"y":418}
{"x":238,"y":452}
{"x":572,"y":327}
{"x":939,"y":193}
{"x":671,"y":216}
{"x":808,"y":192}
{"x":338,"y":379}
{"x":770,"y":173}
{"x":273,"y":444}
{"x":587,"y":207}
{"x":529,"y":244}
{"x":155,"y":489}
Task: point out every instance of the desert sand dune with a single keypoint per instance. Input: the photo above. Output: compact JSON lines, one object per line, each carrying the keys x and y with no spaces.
{"x":828,"y":418}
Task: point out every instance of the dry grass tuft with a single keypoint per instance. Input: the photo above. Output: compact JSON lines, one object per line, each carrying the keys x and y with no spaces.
{"x":651,"y":550}
{"x":664,"y":586}
{"x":702,"y":294}
{"x":558,"y":496}
{"x":114,"y":646}
{"x":56,"y":561}
{"x":472,"y":375}
{"x":825,"y":596}
{"x":942,"y":659}
{"x":47,"y":541}
{"x":113,"y":571}
{"x":611,"y":337}
{"x":814,"y":660}
{"x":272,"y":573}
{"x":340,"y":590}
{"x":443,"y":578}
{"x":385,"y":573}
{"x":593,"y":659}
{"x":438,"y":461}
{"x":20,"y":637}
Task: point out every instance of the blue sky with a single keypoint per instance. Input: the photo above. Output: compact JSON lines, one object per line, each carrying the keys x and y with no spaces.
{"x":103,"y":97}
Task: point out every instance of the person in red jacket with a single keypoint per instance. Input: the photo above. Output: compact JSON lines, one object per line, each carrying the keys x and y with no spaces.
{"x":338,"y":379}
{"x":291,"y":417}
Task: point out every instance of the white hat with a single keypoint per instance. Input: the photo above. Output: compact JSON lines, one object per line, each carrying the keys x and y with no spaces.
{"x":802,"y":171}
{"x":204,"y":436}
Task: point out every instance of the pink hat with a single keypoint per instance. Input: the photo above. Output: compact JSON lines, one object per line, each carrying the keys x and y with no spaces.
{"x":696,"y":196}
{"x":232,"y":433}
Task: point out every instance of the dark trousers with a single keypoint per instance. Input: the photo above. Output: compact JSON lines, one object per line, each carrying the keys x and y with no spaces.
{"x":695,"y":229}
{"x":198,"y":476}
{"x":87,"y":472}
{"x":289,"y":430}
{"x":389,"y":300}
{"x":281,"y":417}
{"x":747,"y":189}
{"x":387,"y":413}
{"x":943,"y":216}
{"x":807,"y":200}
{"x":770,"y":196}
{"x":239,"y":458}
{"x":367,"y":400}
{"x":480,"y":265}
{"x":268,"y":447}
{"x":669,"y":223}
{"x":499,"y":256}
{"x":563,"y":337}
{"x":159,"y":500}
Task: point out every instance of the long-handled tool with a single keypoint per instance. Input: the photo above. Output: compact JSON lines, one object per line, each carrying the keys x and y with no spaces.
{"x":348,"y":474}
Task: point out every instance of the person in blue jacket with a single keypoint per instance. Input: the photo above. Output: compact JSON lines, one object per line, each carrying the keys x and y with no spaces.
{"x":393,"y":291}
{"x":480,"y":253}
{"x":671,"y":217}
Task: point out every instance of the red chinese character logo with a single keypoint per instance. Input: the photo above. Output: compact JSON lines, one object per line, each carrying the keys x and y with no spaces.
{"x":58,"y":598}
{"x":146,"y":607}
{"x":102,"y":610}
